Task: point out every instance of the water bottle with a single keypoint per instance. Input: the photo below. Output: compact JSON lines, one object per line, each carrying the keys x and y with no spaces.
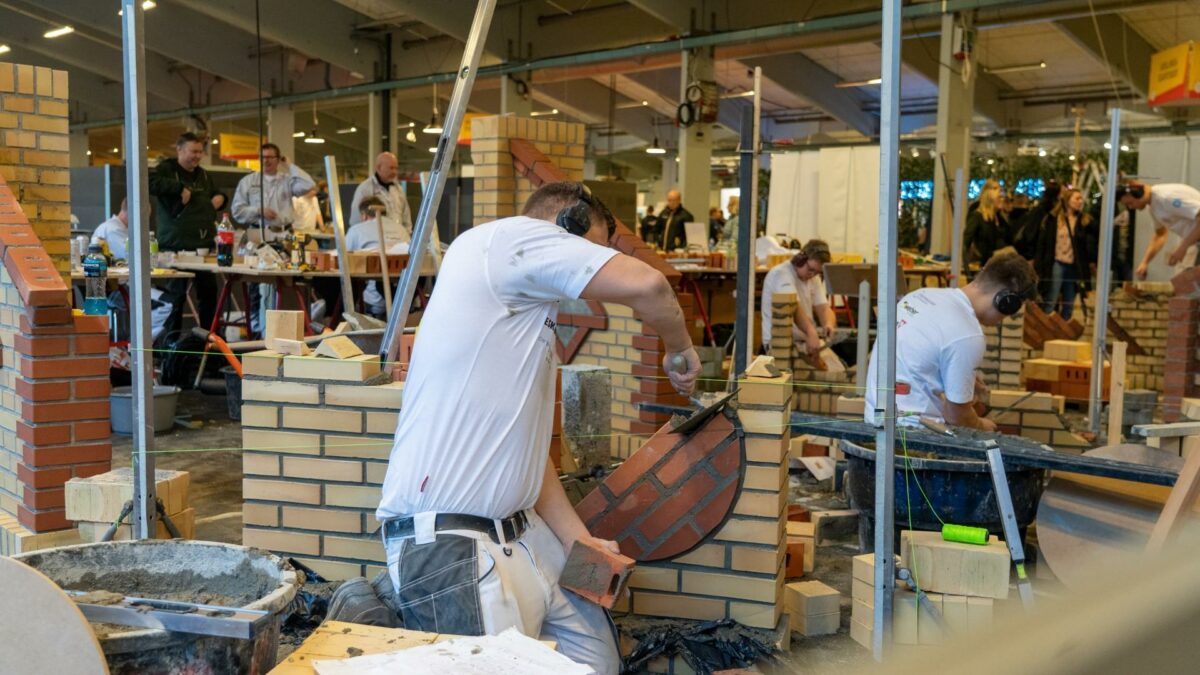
{"x":225,"y":242}
{"x":95,"y":272}
{"x":153,"y":251}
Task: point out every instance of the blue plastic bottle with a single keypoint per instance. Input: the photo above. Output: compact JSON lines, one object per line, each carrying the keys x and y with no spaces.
{"x":95,"y":291}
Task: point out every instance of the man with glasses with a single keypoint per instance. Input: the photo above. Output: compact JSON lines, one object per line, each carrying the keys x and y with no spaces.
{"x":264,"y":198}
{"x":814,"y":319}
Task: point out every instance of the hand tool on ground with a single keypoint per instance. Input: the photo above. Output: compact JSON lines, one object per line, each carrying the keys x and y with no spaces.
{"x":377,"y":211}
{"x":1008,"y":520}
{"x":697,"y":419}
{"x":128,"y":508}
{"x":936,"y":426}
{"x":1009,"y":408}
{"x":906,"y":575}
{"x":180,"y":617}
{"x":357,"y":321}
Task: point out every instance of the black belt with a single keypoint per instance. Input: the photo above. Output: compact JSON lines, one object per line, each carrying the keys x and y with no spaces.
{"x":513,"y":526}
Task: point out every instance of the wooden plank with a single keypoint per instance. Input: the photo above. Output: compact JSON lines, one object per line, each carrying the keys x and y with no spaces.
{"x":1178,"y":505}
{"x":1116,"y":393}
{"x":1175,"y":430}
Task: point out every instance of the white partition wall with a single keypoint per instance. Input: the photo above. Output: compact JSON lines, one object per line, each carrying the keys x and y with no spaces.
{"x":1164,"y":159}
{"x":832,"y":194}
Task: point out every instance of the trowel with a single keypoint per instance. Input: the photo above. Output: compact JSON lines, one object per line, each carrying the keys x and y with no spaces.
{"x":687,"y":425}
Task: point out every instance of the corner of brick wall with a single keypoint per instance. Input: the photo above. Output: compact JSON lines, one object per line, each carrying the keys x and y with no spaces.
{"x":499,"y":190}
{"x":311,"y":491}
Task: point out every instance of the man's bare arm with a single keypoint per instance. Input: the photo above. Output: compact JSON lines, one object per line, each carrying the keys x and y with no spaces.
{"x":1157,"y":241}
{"x":963,"y":415}
{"x":554,"y":508}
{"x":1185,"y":244}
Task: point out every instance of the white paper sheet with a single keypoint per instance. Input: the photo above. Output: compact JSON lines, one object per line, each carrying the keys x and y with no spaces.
{"x":509,"y":653}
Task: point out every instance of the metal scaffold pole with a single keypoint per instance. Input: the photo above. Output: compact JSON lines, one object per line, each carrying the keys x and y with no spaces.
{"x":1103,"y":274}
{"x":885,"y":439}
{"x":141,"y":357}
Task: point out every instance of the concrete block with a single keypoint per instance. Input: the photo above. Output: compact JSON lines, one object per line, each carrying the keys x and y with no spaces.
{"x":595,"y":573}
{"x":587,"y":414}
{"x":950,"y":567}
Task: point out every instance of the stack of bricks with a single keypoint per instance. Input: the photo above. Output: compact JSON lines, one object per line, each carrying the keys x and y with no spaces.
{"x":817,"y":391}
{"x":1065,"y":369}
{"x":813,"y":608}
{"x":1182,"y":364}
{"x":1144,"y":315}
{"x":500,"y":191}
{"x":34,"y":153}
{"x":54,"y":408}
{"x":1038,"y":417}
{"x":316,"y":436}
{"x":1001,"y":365}
{"x":95,"y":503}
{"x":738,"y":571}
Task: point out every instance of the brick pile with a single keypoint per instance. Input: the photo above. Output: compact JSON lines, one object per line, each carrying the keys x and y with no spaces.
{"x":54,"y":409}
{"x":1144,"y":315}
{"x":1065,"y":369}
{"x":316,"y":435}
{"x":95,"y":503}
{"x":1038,"y":417}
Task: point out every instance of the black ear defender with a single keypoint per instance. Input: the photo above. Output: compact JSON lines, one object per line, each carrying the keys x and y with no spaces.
{"x":576,"y":218}
{"x":1009,"y":302}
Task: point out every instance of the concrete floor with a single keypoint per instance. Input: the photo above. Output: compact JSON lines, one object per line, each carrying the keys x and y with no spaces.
{"x":211,"y":454}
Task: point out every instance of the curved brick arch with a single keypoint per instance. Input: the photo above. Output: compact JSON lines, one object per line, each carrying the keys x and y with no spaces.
{"x":671,"y":494}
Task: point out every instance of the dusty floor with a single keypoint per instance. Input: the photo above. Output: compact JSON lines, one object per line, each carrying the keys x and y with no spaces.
{"x":211,"y":454}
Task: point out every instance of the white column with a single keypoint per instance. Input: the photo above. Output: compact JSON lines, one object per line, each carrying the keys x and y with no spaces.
{"x":374,"y":127}
{"x":79,"y":148}
{"x":393,"y":122}
{"x":695,"y":142}
{"x":956,"y":107}
{"x":281,"y":124}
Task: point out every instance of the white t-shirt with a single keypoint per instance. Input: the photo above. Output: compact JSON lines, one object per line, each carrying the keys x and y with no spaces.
{"x":475,"y":425}
{"x":782,"y":278}
{"x":365,"y":237}
{"x":1174,"y":206}
{"x":939,"y":344}
{"x":116,"y":234}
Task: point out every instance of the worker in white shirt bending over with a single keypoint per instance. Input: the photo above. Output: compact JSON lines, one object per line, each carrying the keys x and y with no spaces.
{"x":115,"y":233}
{"x":814,"y":320}
{"x":1174,"y":208}
{"x":475,"y":521}
{"x":939,"y":344}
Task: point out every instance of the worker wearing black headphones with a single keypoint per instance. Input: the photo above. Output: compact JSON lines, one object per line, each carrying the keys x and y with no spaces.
{"x":940,"y":343}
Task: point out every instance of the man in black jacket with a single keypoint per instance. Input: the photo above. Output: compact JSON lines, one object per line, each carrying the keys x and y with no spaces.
{"x":185,"y":209}
{"x":671,"y":220}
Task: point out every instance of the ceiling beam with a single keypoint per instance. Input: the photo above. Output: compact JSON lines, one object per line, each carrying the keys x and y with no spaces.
{"x":589,"y":102}
{"x":674,"y":13}
{"x":921,"y":54}
{"x":810,"y":80}
{"x":1120,"y":48}
{"x":321,"y":29}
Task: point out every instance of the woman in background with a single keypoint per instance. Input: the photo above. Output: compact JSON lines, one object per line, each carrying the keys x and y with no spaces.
{"x":1062,"y":254}
{"x":986,"y":231}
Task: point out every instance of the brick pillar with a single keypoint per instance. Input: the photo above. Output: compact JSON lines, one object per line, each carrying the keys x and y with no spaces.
{"x":783,"y":343}
{"x":500,"y":191}
{"x":1182,"y":365}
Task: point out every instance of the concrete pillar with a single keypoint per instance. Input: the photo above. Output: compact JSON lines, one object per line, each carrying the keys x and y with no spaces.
{"x":587,"y":414}
{"x":956,"y":107}
{"x":281,"y":124}
{"x":589,"y":168}
{"x":668,"y":179}
{"x":393,"y":124}
{"x":511,"y":101}
{"x":79,"y":148}
{"x":695,"y":142}
{"x":374,"y":128}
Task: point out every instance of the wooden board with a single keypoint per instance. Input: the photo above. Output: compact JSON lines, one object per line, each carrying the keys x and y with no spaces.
{"x":49,"y":634}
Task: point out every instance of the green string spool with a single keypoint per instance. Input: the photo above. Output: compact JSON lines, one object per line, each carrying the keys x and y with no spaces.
{"x":965,"y":534}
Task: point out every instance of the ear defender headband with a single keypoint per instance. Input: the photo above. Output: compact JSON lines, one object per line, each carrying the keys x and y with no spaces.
{"x":576,"y":218}
{"x":1009,"y":302}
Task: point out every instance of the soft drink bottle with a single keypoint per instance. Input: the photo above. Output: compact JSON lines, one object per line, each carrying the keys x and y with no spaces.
{"x":95,"y":272}
{"x":225,"y":242}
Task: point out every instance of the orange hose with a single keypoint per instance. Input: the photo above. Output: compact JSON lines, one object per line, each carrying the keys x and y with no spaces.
{"x":229,"y":355}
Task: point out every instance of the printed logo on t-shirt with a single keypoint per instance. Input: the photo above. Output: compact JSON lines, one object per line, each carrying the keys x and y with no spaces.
{"x":1177,"y":202}
{"x":550,"y":323}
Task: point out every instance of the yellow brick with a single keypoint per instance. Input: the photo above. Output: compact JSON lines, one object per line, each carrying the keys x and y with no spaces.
{"x":281,"y":441}
{"x":42,"y":158}
{"x":751,"y":531}
{"x":379,"y":396}
{"x":260,"y":514}
{"x":730,"y":586}
{"x":376,"y":471}
{"x":678,"y":606}
{"x":323,"y":469}
{"x":363,"y":497}
{"x":951,"y":567}
{"x":321,"y":419}
{"x":60,"y":143}
{"x":357,"y":446}
{"x":755,"y":615}
{"x":284,"y":542}
{"x":55,"y":178}
{"x":766,"y":391}
{"x":752,"y":559}
{"x":382,"y":423}
{"x":20,"y":139}
{"x":7,"y":79}
{"x":44,"y":81}
{"x":361,"y":549}
{"x":265,"y":362}
{"x":281,"y":491}
{"x":260,"y":416}
{"x":757,"y":477}
{"x":54,"y":125}
{"x":8,"y":121}
{"x":48,"y":107}
{"x":332,"y":520}
{"x":60,"y":84}
{"x":354,"y":369}
{"x":810,"y":597}
{"x":765,"y":421}
{"x":260,"y":464}
{"x":766,"y":504}
{"x":335,"y":570}
{"x":655,"y":578}
{"x":708,"y":555}
{"x":280,"y":392}
{"x":769,"y":449}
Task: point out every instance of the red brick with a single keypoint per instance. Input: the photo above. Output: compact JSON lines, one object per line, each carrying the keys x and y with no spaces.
{"x":729,"y":460}
{"x":64,"y":412}
{"x":91,"y":324}
{"x":43,"y":521}
{"x":637,"y":428}
{"x":40,"y":368}
{"x":653,"y":417}
{"x":640,"y":463}
{"x":672,"y":511}
{"x":662,"y":399}
{"x":643,"y":342}
{"x":89,"y":470}
{"x":41,"y":346}
{"x":43,"y":478}
{"x":98,"y":388}
{"x":648,"y":331}
{"x":51,"y":498}
{"x":595,"y":573}
{"x":35,"y":277}
{"x":655,"y":386}
{"x":714,"y":513}
{"x":640,"y":370}
{"x":1186,"y":283}
{"x":798,"y":514}
{"x":814,"y":450}
{"x":592,"y":505}
{"x":43,"y":434}
{"x":650,"y":358}
{"x":794,"y":559}
{"x":38,"y":457}
{"x":49,"y":314}
{"x":630,"y":505}
{"x":690,"y":457}
{"x":97,"y":430}
{"x":91,"y":344}
{"x":684,"y":539}
{"x":17,"y":236}
{"x":43,"y":391}
{"x":29,"y":328}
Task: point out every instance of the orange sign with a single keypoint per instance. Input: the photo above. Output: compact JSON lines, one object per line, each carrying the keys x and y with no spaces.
{"x":1175,"y":76}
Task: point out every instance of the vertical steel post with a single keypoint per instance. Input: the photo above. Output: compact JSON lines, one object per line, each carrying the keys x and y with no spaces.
{"x":743,"y":335}
{"x":757,"y":145}
{"x":864,"y":337}
{"x":141,"y":356}
{"x":956,"y":226}
{"x":402,"y":303}
{"x":1103,"y":274}
{"x":885,"y":344}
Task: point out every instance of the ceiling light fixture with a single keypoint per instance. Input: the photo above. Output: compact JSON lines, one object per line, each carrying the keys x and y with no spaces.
{"x":1017,"y":68}
{"x":543,"y":113}
{"x":1071,"y":157}
{"x":656,"y":149}
{"x":89,"y":153}
{"x":740,"y":94}
{"x":991,"y":161}
{"x":1041,"y":152}
{"x":314,"y":137}
{"x":298,"y":134}
{"x":58,"y":32}
{"x":116,"y":150}
{"x":633,"y":104}
{"x":4,"y":49}
{"x":434,"y":126}
{"x":146,"y":5}
{"x":433,"y":149}
{"x":1107,"y":145}
{"x":216,"y":141}
{"x":348,"y":130}
{"x":858,"y":83}
{"x":411,"y":136}
{"x":1124,"y":148}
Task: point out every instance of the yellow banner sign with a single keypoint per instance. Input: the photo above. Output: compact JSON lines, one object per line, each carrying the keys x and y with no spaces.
{"x":239,"y":146}
{"x":1175,"y":76}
